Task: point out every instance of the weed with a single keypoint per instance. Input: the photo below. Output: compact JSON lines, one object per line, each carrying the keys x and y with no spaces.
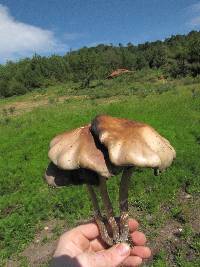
{"x":52,"y":100}
{"x":5,"y":112}
{"x":12,"y":109}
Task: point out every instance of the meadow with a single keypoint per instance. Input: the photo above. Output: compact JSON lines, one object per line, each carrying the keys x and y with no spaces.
{"x":163,"y":204}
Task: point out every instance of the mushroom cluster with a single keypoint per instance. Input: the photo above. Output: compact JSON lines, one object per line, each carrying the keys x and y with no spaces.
{"x":95,"y":152}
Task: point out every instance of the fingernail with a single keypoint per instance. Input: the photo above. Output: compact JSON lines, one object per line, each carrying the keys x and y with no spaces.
{"x":123,"y":249}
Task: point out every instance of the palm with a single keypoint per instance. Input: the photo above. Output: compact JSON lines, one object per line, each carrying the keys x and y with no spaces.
{"x":85,"y":239}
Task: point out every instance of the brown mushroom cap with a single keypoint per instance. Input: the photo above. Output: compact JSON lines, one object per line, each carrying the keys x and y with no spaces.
{"x":77,"y":149}
{"x":132,"y":143}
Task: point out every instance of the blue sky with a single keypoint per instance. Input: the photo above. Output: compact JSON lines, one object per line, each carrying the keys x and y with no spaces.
{"x":55,"y":26}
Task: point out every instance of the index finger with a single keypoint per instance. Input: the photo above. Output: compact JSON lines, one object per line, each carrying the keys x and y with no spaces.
{"x":89,"y":230}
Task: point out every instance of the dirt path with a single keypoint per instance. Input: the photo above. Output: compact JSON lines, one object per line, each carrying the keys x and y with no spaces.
{"x":19,"y":107}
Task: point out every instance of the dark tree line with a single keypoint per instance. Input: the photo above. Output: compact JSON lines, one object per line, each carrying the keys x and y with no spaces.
{"x":177,"y":56}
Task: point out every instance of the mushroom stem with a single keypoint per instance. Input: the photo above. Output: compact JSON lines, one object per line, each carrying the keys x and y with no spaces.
{"x":98,"y":218}
{"x":109,"y":209}
{"x":123,"y":203}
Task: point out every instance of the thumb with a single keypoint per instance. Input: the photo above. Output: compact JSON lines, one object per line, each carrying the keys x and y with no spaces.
{"x":111,"y":257}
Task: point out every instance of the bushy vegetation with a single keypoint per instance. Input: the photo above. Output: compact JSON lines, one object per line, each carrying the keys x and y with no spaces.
{"x":177,"y":56}
{"x":172,"y":107}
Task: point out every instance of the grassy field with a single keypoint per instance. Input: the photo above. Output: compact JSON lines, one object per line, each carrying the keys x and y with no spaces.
{"x":163,"y":204}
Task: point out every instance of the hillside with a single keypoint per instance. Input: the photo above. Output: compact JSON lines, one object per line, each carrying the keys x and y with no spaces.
{"x":175,"y":57}
{"x":167,"y":206}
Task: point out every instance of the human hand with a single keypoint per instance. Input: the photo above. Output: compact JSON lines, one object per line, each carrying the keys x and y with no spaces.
{"x":83,"y":247}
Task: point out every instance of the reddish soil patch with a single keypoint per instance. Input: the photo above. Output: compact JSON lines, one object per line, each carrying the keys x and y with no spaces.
{"x":117,"y":73}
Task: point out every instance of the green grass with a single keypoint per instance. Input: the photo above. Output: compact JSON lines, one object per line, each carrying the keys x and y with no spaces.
{"x":25,"y":200}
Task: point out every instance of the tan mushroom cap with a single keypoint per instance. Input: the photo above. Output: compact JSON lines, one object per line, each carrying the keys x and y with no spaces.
{"x":77,"y":149}
{"x":132,"y":143}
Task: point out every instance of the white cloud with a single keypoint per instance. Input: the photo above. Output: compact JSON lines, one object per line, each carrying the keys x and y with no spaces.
{"x":194,"y":11}
{"x":19,"y":39}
